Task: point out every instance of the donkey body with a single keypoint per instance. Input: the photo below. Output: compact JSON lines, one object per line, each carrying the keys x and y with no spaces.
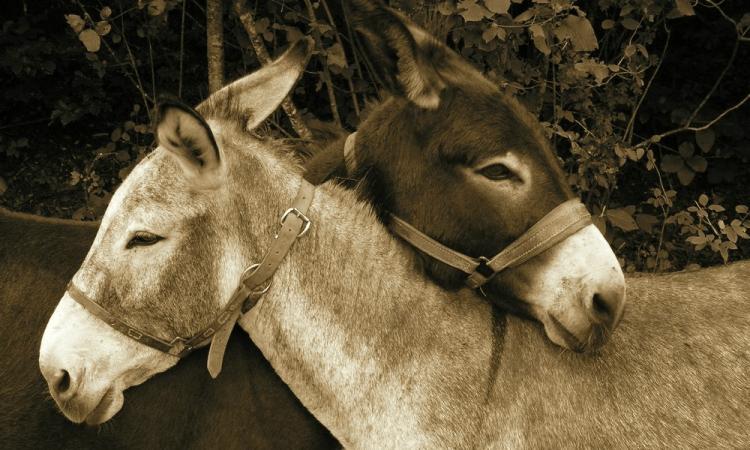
{"x":377,"y":352}
{"x":249,"y":407}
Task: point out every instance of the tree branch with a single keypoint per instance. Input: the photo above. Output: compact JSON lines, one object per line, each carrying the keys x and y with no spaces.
{"x":215,"y":44}
{"x":326,"y":74}
{"x":246,"y":18}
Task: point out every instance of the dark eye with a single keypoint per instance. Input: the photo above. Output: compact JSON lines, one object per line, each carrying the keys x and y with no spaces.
{"x":497,"y":172}
{"x":143,"y":238}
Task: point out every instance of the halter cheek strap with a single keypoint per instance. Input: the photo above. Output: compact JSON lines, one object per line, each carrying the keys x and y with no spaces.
{"x":556,"y":226}
{"x":254,"y":282}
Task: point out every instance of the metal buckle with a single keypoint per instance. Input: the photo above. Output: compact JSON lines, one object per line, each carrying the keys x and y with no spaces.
{"x":248,"y":273}
{"x":305,"y":220}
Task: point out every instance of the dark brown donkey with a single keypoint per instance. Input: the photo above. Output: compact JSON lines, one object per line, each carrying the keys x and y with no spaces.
{"x":470,"y":167}
{"x":248,"y":407}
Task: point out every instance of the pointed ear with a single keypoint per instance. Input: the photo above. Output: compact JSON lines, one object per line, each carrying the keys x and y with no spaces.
{"x":184,"y":133}
{"x":405,"y":57}
{"x":254,"y":97}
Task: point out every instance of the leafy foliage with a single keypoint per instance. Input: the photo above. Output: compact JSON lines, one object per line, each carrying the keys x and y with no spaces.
{"x":643,"y":100}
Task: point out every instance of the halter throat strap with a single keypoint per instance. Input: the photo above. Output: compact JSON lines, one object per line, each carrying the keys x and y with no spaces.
{"x":254,"y":282}
{"x":560,"y":223}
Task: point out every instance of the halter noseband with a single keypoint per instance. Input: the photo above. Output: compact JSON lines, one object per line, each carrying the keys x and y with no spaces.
{"x":560,"y":223}
{"x":254,"y":282}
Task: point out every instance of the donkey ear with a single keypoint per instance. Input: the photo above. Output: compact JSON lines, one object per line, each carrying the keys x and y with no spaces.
{"x":255,"y":96}
{"x":405,"y":57}
{"x":184,"y":133}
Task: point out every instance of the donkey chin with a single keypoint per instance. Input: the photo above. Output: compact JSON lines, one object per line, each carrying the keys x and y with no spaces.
{"x":88,"y":365}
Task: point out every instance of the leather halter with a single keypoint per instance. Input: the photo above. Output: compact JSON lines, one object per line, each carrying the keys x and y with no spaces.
{"x":563,"y":221}
{"x":254,"y":282}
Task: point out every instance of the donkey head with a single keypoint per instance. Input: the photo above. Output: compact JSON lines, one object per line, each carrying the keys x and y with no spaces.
{"x":469,"y":166}
{"x":172,"y":243}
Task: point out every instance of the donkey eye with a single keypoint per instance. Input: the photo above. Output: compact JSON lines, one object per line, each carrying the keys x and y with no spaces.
{"x":497,"y":172}
{"x":143,"y":238}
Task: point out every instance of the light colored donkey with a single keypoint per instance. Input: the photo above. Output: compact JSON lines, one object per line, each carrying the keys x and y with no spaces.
{"x":378,"y":354}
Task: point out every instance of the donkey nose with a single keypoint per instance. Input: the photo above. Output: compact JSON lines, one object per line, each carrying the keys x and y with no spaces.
{"x":606,"y":305}
{"x":63,"y":384}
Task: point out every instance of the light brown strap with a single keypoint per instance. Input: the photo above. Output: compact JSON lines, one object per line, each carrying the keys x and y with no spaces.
{"x":563,"y":221}
{"x":560,"y":223}
{"x":431,"y":247}
{"x":255,"y":280}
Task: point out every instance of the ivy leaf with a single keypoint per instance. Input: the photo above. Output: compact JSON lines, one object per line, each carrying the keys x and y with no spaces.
{"x":497,"y":6}
{"x":579,"y":31}
{"x":91,"y":40}
{"x":471,"y":11}
{"x":672,"y":163}
{"x":685,"y":175}
{"x":76,"y":22}
{"x":540,"y":40}
{"x":698,"y":163}
{"x":705,"y":139}
{"x":685,"y":8}
{"x":622,"y":219}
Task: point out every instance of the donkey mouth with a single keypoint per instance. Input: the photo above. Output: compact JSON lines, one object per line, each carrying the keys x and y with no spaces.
{"x":103,"y":411}
{"x":571,"y":341}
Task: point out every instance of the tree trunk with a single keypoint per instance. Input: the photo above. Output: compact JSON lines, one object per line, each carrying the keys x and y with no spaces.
{"x":215,"y":44}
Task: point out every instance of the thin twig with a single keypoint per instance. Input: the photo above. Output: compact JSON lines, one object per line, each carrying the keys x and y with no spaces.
{"x":246,"y":18}
{"x":182,"y":48}
{"x":151,"y":65}
{"x":659,"y":137}
{"x":711,"y":91}
{"x":326,"y":74}
{"x":346,"y":62}
{"x":628,"y":136}
{"x":215,"y":44}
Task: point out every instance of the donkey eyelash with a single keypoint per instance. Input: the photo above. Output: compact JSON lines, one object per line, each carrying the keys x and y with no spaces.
{"x":497,"y":172}
{"x":143,"y":239}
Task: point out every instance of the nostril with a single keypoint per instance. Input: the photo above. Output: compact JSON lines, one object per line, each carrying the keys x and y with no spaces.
{"x":62,"y":383}
{"x":601,"y":311}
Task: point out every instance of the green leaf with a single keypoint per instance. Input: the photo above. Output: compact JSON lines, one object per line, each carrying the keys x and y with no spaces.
{"x":629,"y":23}
{"x":608,"y":24}
{"x":76,"y":22}
{"x":685,"y":175}
{"x":540,"y":40}
{"x":105,"y":12}
{"x":705,"y":139}
{"x":471,"y":11}
{"x":579,"y":31}
{"x":622,"y":219}
{"x":103,"y":28}
{"x":91,"y":40}
{"x":335,"y":55}
{"x":672,"y":163}
{"x":646,"y":222}
{"x":686,"y":149}
{"x":697,"y":240}
{"x":598,"y":70}
{"x":685,"y":8}
{"x":497,"y":6}
{"x":703,"y":199}
{"x":697,"y":163}
{"x":741,"y":209}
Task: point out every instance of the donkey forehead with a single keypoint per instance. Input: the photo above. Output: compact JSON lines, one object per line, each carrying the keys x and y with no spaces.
{"x":154,"y":192}
{"x":477,"y":127}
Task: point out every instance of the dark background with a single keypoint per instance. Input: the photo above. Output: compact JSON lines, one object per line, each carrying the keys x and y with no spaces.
{"x":605,"y":78}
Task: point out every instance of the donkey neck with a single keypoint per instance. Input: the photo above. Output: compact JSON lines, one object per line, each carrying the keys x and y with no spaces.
{"x":370,"y":346}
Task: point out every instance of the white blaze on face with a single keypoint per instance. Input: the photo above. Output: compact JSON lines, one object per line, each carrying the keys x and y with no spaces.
{"x":575,"y":271}
{"x":98,"y":361}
